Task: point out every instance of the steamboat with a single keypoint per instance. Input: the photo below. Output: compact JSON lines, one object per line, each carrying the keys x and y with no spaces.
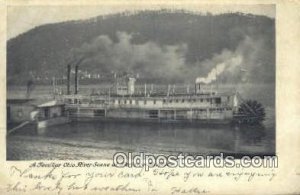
{"x":123,"y":102}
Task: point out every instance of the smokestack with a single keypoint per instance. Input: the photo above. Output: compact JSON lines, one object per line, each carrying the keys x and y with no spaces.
{"x":197,"y":88}
{"x":76,"y":80}
{"x":68,"y":79}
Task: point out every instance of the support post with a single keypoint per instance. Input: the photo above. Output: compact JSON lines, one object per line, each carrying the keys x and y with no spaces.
{"x":68,"y":79}
{"x":76,"y":80}
{"x":158,"y":114}
{"x":174,"y":114}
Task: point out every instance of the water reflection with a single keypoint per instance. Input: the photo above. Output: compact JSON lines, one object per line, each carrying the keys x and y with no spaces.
{"x":163,"y":138}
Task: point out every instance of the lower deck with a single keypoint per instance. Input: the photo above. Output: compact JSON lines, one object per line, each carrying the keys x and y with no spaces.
{"x":168,"y":115}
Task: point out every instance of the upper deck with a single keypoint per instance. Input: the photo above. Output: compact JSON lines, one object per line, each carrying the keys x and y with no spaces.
{"x":179,"y":101}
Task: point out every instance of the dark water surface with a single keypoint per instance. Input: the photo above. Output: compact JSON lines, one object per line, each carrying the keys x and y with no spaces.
{"x":100,"y":140}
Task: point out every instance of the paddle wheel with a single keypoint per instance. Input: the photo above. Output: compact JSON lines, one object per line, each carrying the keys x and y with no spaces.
{"x":250,"y":112}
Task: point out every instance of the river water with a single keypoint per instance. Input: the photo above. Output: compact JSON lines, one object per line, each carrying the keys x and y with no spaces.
{"x":100,"y":140}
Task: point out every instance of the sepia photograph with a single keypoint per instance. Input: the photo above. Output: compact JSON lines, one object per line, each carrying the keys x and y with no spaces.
{"x":150,"y":97}
{"x":92,"y":82}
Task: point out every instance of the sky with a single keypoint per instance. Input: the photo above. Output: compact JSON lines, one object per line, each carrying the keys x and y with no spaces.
{"x":23,"y":18}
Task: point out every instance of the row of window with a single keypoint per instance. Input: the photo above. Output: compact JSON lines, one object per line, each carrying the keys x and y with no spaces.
{"x":169,"y":101}
{"x":164,"y":101}
{"x":213,"y":109}
{"x":184,"y":100}
{"x":136,"y":102}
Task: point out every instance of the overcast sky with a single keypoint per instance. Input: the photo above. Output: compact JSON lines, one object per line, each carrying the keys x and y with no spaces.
{"x":23,"y":18}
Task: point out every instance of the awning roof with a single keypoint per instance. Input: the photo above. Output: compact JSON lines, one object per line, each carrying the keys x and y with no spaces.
{"x":18,"y":101}
{"x":50,"y":104}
